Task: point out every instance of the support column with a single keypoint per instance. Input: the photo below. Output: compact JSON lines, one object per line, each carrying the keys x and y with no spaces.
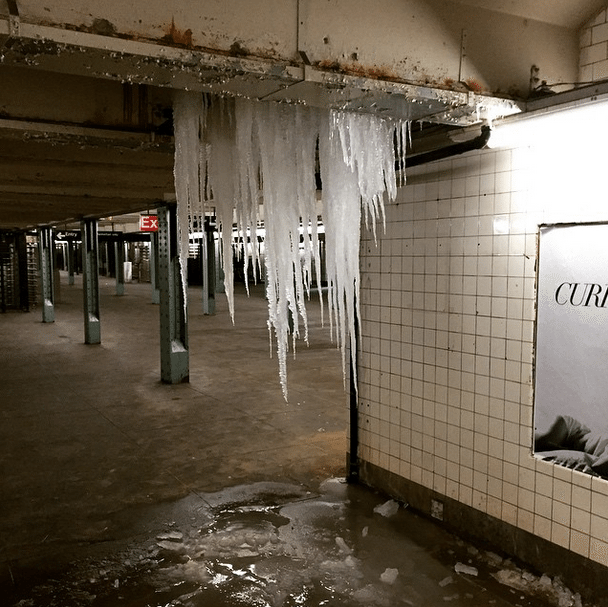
{"x":4,"y":259}
{"x":71,"y":260}
{"x":47,"y":288}
{"x":154,"y":267}
{"x":119,"y":260}
{"x":352,"y":465}
{"x":90,"y":281}
{"x":24,"y":279}
{"x":219,"y":271}
{"x":174,"y":359}
{"x":208,"y":267}
{"x":56,"y":273}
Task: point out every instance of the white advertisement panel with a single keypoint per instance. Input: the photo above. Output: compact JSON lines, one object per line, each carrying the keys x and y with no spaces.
{"x":571,"y":379}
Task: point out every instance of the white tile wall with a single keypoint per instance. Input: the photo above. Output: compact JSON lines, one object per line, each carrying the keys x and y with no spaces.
{"x":447,"y":302}
{"x":593,"y":62}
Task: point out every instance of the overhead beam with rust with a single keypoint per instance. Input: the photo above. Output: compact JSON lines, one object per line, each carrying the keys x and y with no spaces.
{"x":413,"y":41}
{"x":410,"y":49}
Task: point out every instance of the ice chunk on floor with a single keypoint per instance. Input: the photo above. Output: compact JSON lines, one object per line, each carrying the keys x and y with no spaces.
{"x":171,"y":546}
{"x":466,"y":569}
{"x":342,"y":546}
{"x":171,"y":536}
{"x":554,"y":590}
{"x":388,"y":509}
{"x":389,"y":575}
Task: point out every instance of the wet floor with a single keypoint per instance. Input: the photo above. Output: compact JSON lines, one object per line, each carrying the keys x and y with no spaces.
{"x":279,"y":545}
{"x":117,"y":490}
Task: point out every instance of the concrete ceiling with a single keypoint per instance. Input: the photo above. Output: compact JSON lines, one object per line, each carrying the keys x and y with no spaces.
{"x":57,"y":174}
{"x":80,"y":100}
{"x":564,"y":13}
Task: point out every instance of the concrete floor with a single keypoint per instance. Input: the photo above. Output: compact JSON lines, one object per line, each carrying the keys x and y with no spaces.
{"x":119,"y":490}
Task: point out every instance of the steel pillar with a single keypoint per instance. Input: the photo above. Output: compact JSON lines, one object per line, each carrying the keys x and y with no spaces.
{"x":352,"y":465}
{"x":90,"y":281}
{"x":5,"y":257}
{"x":219,"y":275}
{"x":119,"y":260}
{"x":47,"y":287}
{"x":174,"y":359}
{"x":56,"y":273}
{"x":154,"y":267}
{"x":24,"y":279}
{"x":208,"y":267}
{"x":71,"y":261}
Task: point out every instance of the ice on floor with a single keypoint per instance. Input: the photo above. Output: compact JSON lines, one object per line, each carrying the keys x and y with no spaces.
{"x":544,"y":586}
{"x":389,"y":575}
{"x":342,"y":546}
{"x":389,"y":508}
{"x":466,"y":569}
{"x":275,"y":545}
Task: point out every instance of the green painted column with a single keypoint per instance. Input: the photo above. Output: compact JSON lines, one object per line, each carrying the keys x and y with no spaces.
{"x":90,"y":281}
{"x":154,"y":267}
{"x":208,"y":267}
{"x":24,"y":276}
{"x":47,"y":286}
{"x":174,"y":357}
{"x":71,"y":260}
{"x":119,"y":259}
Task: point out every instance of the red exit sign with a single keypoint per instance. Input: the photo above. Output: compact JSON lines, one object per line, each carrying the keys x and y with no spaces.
{"x":148,"y":223}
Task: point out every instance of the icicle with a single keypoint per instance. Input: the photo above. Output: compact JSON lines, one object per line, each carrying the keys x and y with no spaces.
{"x":406,"y":140}
{"x":357,"y":157}
{"x":222,"y":176}
{"x":238,"y":152}
{"x":342,"y":217}
{"x":286,"y":138}
{"x":248,"y":198}
{"x":189,"y":113}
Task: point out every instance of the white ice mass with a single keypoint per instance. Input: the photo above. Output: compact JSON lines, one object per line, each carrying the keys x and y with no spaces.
{"x":233,"y":155}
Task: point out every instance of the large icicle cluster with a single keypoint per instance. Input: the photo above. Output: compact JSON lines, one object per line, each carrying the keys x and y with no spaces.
{"x":238,"y":153}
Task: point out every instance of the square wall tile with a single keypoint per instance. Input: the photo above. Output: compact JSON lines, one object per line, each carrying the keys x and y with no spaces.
{"x":447,"y":349}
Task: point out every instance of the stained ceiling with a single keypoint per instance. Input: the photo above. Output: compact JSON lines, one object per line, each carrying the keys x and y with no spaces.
{"x":83,"y":115}
{"x":565,"y":13}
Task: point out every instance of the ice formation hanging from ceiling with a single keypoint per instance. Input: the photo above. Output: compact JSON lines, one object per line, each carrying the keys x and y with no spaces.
{"x":234,"y":154}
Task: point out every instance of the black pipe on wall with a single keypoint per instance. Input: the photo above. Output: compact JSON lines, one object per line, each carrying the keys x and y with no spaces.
{"x":477,"y":143}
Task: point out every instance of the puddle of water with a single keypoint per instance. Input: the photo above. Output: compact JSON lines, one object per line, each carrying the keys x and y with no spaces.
{"x":257,"y":546}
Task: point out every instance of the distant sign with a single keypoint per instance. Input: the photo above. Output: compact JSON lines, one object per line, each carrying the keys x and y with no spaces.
{"x":148,"y":223}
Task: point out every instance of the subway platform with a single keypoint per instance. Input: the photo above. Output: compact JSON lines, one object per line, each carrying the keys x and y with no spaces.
{"x":116,"y":489}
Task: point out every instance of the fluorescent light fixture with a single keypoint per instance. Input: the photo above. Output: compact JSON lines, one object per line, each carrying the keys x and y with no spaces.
{"x":557,"y":161}
{"x":556,"y":125}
